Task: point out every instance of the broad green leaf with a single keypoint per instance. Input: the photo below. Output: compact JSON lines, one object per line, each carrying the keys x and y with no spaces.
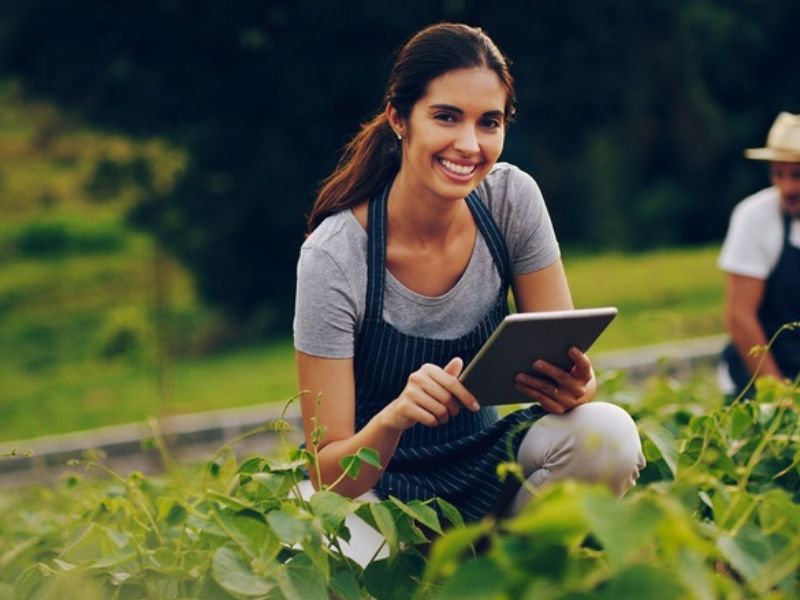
{"x":345,"y":585}
{"x":777,"y":512}
{"x":747,"y":552}
{"x":394,"y":578}
{"x":450,"y":512}
{"x":206,"y":525}
{"x":315,"y":550}
{"x":289,"y":528}
{"x":351,"y":465}
{"x":93,"y":543}
{"x":621,"y":528}
{"x":30,"y":579}
{"x":695,"y":575}
{"x":276,"y":484}
{"x":229,"y":501}
{"x":740,"y":421}
{"x":763,"y":560}
{"x":663,"y":440}
{"x":384,"y":520}
{"x":642,"y":581}
{"x":419,"y":511}
{"x":555,"y":517}
{"x":370,"y":456}
{"x":331,"y":508}
{"x":277,"y":465}
{"x":475,"y":579}
{"x":448,"y":548}
{"x":171,"y":511}
{"x":251,"y":465}
{"x":233,"y":574}
{"x":782,"y":565}
{"x":256,"y":535}
{"x":301,"y":582}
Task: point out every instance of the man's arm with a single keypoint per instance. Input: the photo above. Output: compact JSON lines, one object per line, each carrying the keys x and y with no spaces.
{"x":742,"y":298}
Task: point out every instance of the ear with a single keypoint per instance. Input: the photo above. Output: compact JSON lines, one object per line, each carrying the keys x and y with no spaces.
{"x":395,"y":121}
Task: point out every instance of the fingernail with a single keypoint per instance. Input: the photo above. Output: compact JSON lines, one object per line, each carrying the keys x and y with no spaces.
{"x":476,"y":407}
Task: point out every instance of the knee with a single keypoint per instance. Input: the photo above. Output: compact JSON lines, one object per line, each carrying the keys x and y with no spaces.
{"x":596,"y":442}
{"x":609,"y":444}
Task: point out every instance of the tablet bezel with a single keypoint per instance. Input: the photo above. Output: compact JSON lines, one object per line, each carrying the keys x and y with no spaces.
{"x":522,"y":338}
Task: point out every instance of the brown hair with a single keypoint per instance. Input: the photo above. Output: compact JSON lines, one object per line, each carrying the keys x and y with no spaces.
{"x":373,"y":156}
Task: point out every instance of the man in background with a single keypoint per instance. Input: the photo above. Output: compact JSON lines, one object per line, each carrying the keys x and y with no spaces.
{"x":761,"y":257}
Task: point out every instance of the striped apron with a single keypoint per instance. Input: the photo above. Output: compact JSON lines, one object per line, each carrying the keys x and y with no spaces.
{"x":456,"y":461}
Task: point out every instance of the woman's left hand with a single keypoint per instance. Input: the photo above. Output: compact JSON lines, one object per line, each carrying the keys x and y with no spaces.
{"x":559,"y":391}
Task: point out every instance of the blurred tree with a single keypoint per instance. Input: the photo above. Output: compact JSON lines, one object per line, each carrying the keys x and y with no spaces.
{"x":633,"y":115}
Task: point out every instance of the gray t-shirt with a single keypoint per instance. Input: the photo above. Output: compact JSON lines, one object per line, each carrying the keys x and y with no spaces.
{"x":332,"y":273}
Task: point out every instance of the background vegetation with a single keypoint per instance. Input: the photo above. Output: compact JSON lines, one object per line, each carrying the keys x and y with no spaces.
{"x":99,"y":326}
{"x":633,"y":115}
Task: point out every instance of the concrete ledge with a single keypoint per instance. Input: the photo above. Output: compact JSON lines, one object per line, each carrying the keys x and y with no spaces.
{"x":677,"y":358}
{"x":195,"y":436}
{"x":190,"y":437}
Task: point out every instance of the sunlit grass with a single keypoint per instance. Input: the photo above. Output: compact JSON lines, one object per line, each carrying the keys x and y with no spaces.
{"x":661,"y":295}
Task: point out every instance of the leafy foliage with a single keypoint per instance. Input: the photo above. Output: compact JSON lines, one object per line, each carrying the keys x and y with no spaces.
{"x":716,"y":515}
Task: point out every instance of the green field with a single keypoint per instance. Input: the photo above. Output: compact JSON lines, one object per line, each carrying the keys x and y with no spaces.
{"x":81,"y":293}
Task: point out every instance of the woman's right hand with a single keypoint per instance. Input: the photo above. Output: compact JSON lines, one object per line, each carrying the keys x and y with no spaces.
{"x":432,"y":395}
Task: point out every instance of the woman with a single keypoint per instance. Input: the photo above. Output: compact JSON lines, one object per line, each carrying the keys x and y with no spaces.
{"x":415,"y":239}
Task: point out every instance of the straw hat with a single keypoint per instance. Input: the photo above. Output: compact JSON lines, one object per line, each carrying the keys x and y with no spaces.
{"x":783,"y":141}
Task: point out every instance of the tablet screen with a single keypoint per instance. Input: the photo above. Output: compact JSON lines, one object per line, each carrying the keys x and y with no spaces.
{"x":523,"y":338}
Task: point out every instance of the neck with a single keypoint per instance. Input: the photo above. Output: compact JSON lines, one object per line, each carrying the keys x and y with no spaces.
{"x":417,"y":215}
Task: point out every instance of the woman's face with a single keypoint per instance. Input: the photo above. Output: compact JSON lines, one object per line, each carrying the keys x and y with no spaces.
{"x":455,"y":132}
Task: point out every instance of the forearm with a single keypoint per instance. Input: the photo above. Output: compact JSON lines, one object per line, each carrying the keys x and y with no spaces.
{"x":376,"y":434}
{"x":746,"y":332}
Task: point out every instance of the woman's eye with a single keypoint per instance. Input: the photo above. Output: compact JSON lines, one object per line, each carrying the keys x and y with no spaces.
{"x":447,"y":117}
{"x":490,"y":123}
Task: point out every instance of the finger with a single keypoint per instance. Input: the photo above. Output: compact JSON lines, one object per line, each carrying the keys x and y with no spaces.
{"x":544,"y":400}
{"x":441,"y":394}
{"x":418,"y":414}
{"x":539,"y":384}
{"x":551,"y":371}
{"x":582,"y":366}
{"x":562,"y":380}
{"x":546,"y":391}
{"x":454,"y":366}
{"x":430,"y":405}
{"x":450,"y":381}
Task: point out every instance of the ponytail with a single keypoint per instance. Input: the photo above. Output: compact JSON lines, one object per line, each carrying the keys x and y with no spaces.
{"x":369,"y":160}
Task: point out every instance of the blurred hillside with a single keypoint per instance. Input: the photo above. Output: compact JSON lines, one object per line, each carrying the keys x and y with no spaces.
{"x":97,"y":325}
{"x":633,"y":115}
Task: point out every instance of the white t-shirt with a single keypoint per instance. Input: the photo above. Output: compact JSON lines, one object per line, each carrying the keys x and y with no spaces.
{"x":332,"y":273}
{"x":754,"y":240}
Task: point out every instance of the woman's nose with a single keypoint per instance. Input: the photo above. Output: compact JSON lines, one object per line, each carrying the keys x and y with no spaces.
{"x":466,"y":141}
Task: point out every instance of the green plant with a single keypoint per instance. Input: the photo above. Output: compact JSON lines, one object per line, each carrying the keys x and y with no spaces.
{"x":716,"y":515}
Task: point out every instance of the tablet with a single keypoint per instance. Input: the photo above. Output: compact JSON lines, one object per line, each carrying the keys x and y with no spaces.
{"x":522,"y":338}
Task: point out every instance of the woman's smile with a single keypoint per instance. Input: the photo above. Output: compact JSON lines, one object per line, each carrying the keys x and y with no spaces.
{"x":458,"y":171}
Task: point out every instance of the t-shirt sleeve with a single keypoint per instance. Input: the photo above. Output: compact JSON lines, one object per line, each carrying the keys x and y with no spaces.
{"x":525,"y":221}
{"x":745,"y":250}
{"x":325,"y":310}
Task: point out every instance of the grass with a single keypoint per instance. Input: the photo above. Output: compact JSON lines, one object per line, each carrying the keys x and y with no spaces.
{"x":78,"y":343}
{"x":662,"y":295}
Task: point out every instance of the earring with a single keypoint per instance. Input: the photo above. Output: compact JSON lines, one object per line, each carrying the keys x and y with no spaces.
{"x":399,"y":137}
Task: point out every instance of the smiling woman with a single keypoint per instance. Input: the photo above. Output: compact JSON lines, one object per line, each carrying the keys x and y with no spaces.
{"x":415,"y":240}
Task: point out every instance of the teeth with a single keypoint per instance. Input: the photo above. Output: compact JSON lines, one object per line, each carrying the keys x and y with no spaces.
{"x":457,"y":169}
